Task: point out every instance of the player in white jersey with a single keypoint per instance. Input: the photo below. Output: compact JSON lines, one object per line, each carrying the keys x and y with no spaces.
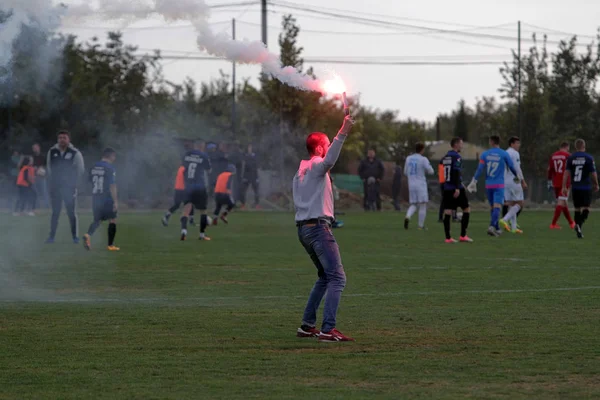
{"x":415,"y":168}
{"x":513,"y":188}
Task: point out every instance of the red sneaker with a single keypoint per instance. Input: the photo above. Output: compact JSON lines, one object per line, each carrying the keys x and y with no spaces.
{"x":334,"y":336}
{"x":572,"y":225}
{"x":308,"y":332}
{"x":451,"y":240}
{"x":465,"y":239}
{"x":556,"y":227}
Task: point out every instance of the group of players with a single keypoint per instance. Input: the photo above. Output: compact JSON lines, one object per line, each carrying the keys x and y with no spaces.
{"x":504,"y":185}
{"x":190,"y":190}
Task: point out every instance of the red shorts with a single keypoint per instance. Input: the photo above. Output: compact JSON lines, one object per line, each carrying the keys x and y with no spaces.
{"x":558,"y":193}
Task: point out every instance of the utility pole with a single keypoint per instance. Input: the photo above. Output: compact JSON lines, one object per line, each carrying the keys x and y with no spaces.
{"x":438,"y":133}
{"x":519,"y":112}
{"x":264,"y":21}
{"x":233,"y":84}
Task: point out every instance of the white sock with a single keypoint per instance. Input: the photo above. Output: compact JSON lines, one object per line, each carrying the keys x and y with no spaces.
{"x":511,"y":212}
{"x":167,"y":214}
{"x":202,"y":235}
{"x":422,"y":214}
{"x":411,"y":211}
{"x":513,"y":222}
{"x":184,"y":232}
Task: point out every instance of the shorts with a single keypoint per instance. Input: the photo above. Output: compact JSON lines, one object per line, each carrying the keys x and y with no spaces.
{"x":495,"y":196}
{"x":513,"y":193}
{"x":223,"y":199}
{"x":582,"y":198}
{"x":451,"y":203}
{"x":198,"y":198}
{"x":558,"y":194}
{"x":418,"y":194}
{"x":179,"y":197}
{"x":103,"y":209}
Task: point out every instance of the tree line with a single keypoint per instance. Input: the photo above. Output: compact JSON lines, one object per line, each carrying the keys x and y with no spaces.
{"x":107,"y":94}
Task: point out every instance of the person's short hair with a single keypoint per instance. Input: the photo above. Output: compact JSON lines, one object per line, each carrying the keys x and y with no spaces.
{"x":454,"y":141}
{"x":564,"y":145}
{"x":495,"y":139}
{"x":372,"y":149}
{"x":579,"y":144}
{"x":314,"y":140}
{"x":419,"y":147}
{"x":108,"y":152}
{"x":513,"y":140}
{"x":63,"y":132}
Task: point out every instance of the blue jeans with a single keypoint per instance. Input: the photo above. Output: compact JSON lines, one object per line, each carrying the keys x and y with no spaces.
{"x":319,"y":243}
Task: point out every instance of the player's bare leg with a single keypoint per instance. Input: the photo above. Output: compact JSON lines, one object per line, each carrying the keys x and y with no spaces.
{"x":87,"y":238}
{"x":112,"y":232}
{"x":184,"y":220}
{"x":203,"y":225}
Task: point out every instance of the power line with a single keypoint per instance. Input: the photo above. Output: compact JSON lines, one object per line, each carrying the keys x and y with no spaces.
{"x":351,"y":62}
{"x":560,"y":32}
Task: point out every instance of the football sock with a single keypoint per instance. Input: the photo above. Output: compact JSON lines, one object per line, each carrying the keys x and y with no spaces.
{"x":512,"y":212}
{"x":411,"y":210}
{"x":557,"y":211}
{"x":567,"y":213}
{"x":93,"y":226}
{"x":203,"y":223}
{"x":464,"y":224}
{"x":447,"y":225}
{"x":184,"y":221}
{"x":495,"y":217}
{"x":584,"y":216}
{"x":422,"y":215}
{"x":112,"y":232}
{"x":513,"y":223}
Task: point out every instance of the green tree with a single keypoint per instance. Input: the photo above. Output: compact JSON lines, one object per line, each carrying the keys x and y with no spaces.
{"x":461,"y":124}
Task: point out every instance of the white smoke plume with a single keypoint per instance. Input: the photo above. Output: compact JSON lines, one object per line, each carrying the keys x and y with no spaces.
{"x":15,"y":15}
{"x":197,"y":13}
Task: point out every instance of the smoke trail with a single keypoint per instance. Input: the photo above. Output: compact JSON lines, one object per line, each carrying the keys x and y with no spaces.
{"x":197,"y":12}
{"x":15,"y":15}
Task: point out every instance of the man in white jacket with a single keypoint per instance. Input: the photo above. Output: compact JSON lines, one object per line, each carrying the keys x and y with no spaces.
{"x":313,"y":200}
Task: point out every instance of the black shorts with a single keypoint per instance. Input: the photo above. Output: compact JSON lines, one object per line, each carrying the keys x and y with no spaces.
{"x":223,"y":199}
{"x":103,"y":209}
{"x":582,"y":198}
{"x":451,"y":203}
{"x":179,"y":197}
{"x":198,"y":198}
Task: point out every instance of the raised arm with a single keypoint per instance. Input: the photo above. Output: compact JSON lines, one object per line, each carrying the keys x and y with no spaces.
{"x":336,"y":146}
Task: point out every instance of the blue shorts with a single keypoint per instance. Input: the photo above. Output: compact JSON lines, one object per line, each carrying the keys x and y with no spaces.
{"x":103,"y":209}
{"x":495,"y":196}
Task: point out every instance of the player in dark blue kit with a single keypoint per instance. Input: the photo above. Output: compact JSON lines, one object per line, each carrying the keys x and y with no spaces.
{"x":454,"y":195}
{"x":104,"y":198}
{"x":581,"y":169}
{"x":197,"y":166}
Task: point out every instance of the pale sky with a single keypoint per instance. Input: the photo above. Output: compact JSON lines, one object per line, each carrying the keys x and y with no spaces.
{"x":415,"y":91}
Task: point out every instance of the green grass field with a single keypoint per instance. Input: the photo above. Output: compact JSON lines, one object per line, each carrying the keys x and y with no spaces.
{"x":507,"y":318}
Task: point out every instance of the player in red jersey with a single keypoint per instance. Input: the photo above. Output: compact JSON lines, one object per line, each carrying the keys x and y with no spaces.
{"x":556,"y":170}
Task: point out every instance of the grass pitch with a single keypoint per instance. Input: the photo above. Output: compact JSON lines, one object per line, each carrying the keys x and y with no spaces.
{"x":507,"y":318}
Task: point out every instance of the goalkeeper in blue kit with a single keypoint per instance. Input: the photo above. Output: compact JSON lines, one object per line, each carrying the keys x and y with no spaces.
{"x":494,"y":161}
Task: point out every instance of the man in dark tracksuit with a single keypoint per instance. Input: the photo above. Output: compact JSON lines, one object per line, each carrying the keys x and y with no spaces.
{"x":64,"y":168}
{"x":250,"y":177}
{"x":371,"y":167}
